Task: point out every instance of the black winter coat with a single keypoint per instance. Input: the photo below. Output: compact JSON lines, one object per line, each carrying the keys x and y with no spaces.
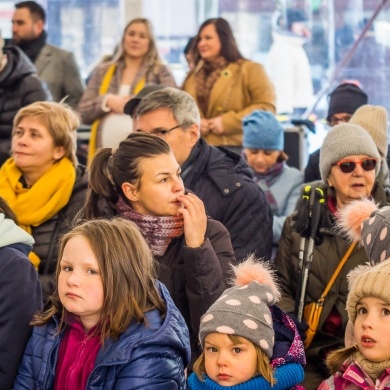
{"x":47,"y":234}
{"x":20,"y":299}
{"x":224,"y":182}
{"x":196,"y":277}
{"x":19,"y":87}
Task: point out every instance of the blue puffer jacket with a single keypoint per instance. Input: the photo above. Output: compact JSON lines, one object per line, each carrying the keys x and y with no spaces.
{"x":151,"y":356}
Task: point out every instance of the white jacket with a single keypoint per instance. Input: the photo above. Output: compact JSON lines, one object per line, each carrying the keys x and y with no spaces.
{"x":289,"y":69}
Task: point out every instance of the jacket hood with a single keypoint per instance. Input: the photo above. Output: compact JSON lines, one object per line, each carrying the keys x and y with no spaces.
{"x":10,"y":233}
{"x":227,"y":168}
{"x":287,"y":339}
{"x":169,"y":331}
{"x":18,"y":66}
{"x":239,"y":162}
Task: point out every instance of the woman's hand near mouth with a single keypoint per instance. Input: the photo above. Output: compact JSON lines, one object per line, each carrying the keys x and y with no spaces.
{"x":195,"y":220}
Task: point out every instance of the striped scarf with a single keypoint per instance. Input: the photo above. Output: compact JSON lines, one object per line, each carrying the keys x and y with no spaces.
{"x":158,"y":231}
{"x":266,"y":180}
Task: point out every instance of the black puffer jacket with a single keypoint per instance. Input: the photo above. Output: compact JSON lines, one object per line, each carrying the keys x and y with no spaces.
{"x":19,"y":87}
{"x":47,"y":234}
{"x":224,"y":182}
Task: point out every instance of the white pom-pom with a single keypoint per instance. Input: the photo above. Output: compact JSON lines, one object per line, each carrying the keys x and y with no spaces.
{"x":351,"y":216}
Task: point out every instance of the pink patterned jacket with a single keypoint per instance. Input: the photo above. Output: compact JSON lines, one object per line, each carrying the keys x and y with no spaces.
{"x":352,"y":377}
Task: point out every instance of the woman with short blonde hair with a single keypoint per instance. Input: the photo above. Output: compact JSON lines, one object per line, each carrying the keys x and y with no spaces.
{"x":42,"y":181}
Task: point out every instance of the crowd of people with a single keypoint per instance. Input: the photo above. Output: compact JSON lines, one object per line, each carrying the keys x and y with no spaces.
{"x":188,"y":254}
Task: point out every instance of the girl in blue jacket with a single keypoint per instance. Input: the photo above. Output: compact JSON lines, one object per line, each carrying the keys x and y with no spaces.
{"x":110,"y":324}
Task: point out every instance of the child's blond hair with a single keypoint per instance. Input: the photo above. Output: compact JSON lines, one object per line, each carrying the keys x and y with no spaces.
{"x":264,"y":368}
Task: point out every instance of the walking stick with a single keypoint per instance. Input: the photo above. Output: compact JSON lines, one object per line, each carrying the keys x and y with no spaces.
{"x":302,"y":224}
{"x":314,"y":218}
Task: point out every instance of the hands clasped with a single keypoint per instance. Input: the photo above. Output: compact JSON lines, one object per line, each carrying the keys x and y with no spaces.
{"x":213,"y":125}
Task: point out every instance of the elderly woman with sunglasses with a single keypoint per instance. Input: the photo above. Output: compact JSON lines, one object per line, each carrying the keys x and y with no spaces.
{"x":349,"y":165}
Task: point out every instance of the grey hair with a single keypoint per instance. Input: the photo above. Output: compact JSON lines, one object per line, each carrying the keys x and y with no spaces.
{"x":180,"y":103}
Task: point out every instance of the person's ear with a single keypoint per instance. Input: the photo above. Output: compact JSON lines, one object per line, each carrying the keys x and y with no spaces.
{"x":39,"y":26}
{"x":58,"y":153}
{"x":193,"y":133}
{"x":130,"y":191}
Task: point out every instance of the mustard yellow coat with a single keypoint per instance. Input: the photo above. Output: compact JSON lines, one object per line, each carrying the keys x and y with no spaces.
{"x":242,"y":88}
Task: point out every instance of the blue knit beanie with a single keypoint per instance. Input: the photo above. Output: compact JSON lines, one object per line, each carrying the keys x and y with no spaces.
{"x":262,"y":131}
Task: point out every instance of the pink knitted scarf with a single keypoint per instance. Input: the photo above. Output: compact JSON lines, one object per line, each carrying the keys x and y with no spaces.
{"x":158,"y":231}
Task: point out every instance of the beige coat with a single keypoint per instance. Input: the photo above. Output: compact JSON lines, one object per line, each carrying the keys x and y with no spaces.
{"x":242,"y":88}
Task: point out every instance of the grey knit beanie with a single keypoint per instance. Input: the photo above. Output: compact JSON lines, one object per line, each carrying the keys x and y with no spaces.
{"x":243,"y":310}
{"x":346,"y":140}
{"x":374,"y":120}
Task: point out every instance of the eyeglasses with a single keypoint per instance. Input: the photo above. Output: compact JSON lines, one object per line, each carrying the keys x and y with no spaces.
{"x":368,"y":164}
{"x":162,"y":133}
{"x":334,"y":120}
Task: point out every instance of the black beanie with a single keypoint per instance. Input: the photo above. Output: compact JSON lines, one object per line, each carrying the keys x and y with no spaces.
{"x":293,"y":16}
{"x":346,"y":98}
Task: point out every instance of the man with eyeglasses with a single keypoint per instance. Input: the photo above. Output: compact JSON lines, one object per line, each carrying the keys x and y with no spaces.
{"x":221,"y":178}
{"x":343,"y":102}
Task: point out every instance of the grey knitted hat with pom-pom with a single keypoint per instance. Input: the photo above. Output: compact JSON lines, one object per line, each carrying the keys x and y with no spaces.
{"x":243,"y":310}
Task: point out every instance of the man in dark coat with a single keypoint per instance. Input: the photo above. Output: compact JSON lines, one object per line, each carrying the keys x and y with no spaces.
{"x":57,"y":67}
{"x":19,"y":87}
{"x":221,"y":178}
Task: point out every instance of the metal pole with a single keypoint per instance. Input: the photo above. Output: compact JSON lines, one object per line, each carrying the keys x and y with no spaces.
{"x":345,"y":60}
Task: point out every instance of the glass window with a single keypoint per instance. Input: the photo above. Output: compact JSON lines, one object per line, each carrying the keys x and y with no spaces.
{"x":343,"y":44}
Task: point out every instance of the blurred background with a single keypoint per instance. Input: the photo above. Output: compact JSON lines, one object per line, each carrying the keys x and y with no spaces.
{"x":348,"y":40}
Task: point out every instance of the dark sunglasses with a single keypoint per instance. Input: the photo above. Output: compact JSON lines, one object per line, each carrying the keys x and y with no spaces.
{"x":368,"y":164}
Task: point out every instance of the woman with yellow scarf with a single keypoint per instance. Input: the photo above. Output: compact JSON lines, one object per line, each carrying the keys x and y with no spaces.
{"x":42,"y":181}
{"x":135,"y":65}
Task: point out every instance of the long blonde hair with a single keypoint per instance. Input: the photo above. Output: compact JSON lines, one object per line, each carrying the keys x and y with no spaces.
{"x":127,"y":269}
{"x":335,"y":359}
{"x":263,"y":365}
{"x":152,"y":57}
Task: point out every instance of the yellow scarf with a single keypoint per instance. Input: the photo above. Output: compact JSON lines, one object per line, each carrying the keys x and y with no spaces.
{"x":103,"y":89}
{"x":34,"y":206}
